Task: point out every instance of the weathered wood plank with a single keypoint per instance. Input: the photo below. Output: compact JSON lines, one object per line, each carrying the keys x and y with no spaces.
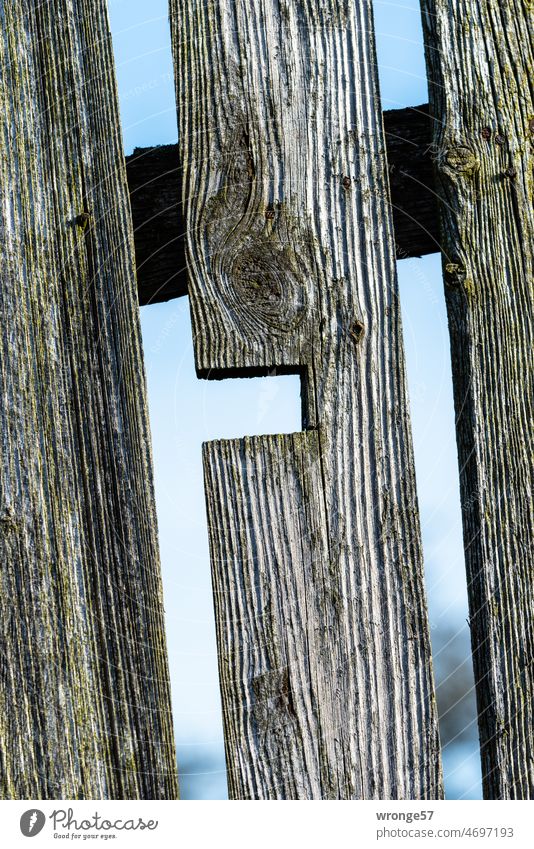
{"x":155,"y":183}
{"x":84,"y":690}
{"x":275,"y":590}
{"x":480,"y":60}
{"x":408,"y":135}
{"x":321,"y":616}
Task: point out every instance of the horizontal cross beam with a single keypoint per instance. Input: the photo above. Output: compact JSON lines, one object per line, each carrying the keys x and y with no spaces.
{"x":154,"y":178}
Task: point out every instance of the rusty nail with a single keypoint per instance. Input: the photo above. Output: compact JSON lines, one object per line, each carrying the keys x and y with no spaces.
{"x":499,"y":139}
{"x":511,"y":172}
{"x":346,"y":182}
{"x":486,"y":133}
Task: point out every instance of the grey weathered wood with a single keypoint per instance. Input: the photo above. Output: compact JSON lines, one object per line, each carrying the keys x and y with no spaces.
{"x":321,"y":617}
{"x":155,"y":183}
{"x":84,"y":690}
{"x":480,"y":60}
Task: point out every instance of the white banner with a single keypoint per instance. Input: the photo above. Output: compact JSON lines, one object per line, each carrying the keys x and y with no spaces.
{"x":276,"y":825}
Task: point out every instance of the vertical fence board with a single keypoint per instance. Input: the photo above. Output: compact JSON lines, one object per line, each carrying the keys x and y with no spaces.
{"x":84,"y":691}
{"x":480,"y":59}
{"x":321,"y":616}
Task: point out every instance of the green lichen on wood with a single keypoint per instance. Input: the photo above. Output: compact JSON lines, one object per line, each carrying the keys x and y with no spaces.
{"x":482,"y":101}
{"x":84,"y":691}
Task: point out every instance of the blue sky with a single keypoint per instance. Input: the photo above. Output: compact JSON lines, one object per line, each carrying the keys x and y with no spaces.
{"x":185,"y":412}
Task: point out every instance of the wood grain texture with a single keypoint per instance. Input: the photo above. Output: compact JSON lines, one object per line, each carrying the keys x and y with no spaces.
{"x":155,"y":184}
{"x":321,"y":616}
{"x":480,"y":61}
{"x":408,"y":135}
{"x":84,"y":689}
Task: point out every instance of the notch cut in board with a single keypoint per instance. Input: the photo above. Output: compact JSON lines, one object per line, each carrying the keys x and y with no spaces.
{"x":321,"y":614}
{"x":256,"y":402}
{"x":270,"y":403}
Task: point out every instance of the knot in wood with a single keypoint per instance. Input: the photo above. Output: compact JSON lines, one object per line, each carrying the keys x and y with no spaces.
{"x":267,"y":288}
{"x":7,"y":517}
{"x":454,"y":274}
{"x":273,"y":702}
{"x":461,"y":159}
{"x":83,"y":220}
{"x":357,"y":330}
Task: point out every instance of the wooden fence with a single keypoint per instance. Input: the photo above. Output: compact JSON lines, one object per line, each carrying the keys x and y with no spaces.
{"x":84,"y":695}
{"x":290,"y":205}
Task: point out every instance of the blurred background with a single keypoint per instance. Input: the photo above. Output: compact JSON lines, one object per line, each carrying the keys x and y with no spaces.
{"x":185,"y":412}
